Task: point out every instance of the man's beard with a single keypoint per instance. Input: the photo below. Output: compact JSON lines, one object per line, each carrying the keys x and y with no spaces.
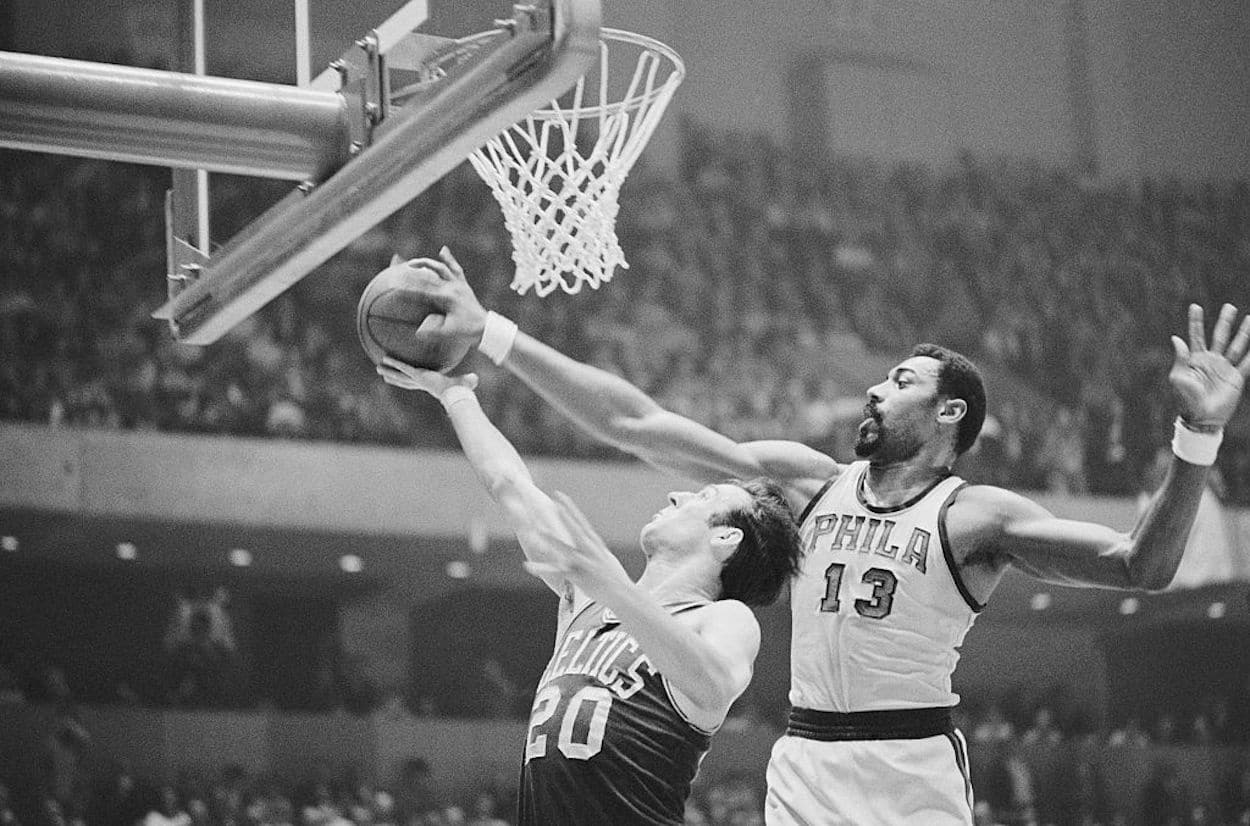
{"x":869,"y":439}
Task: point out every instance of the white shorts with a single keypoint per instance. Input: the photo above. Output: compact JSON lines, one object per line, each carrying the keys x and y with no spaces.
{"x":869,"y":782}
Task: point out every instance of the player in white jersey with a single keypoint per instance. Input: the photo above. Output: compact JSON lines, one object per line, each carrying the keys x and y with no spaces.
{"x":900,"y":555}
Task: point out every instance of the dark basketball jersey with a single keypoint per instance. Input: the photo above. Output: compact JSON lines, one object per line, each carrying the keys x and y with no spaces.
{"x":605,"y":745}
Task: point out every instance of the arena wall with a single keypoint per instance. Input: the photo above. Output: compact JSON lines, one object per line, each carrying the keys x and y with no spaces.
{"x":372,"y":490}
{"x":408,"y":512}
{"x":470,"y":754}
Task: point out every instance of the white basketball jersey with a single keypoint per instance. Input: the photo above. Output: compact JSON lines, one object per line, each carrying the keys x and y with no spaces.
{"x":879,"y":611}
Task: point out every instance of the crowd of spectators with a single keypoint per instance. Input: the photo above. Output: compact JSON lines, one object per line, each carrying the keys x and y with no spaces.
{"x":107,"y":793}
{"x":1050,"y":770}
{"x":1045,"y":764}
{"x":1038,"y":755}
{"x":761,"y":287}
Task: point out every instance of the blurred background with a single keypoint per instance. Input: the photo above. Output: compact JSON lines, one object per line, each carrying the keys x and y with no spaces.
{"x":250,"y":583}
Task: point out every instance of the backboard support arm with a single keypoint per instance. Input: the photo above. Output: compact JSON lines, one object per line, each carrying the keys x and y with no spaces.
{"x":360,"y":158}
{"x":187,"y":235}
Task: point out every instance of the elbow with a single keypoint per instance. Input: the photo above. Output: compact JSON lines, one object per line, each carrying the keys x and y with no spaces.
{"x":709,"y":697}
{"x":1156,"y":581}
{"x":728,"y":685}
{"x":500,"y":486}
{"x":622,"y":431}
{"x":1154,"y":577}
{"x":635,"y":427}
{"x":708,"y":686}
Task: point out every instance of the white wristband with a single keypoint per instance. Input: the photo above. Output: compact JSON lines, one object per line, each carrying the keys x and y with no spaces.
{"x":497,"y":337}
{"x":1194,"y":447}
{"x":455,"y":393}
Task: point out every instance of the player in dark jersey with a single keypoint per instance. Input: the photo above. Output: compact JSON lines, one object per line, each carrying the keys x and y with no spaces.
{"x":643,"y":673}
{"x":849,"y":712}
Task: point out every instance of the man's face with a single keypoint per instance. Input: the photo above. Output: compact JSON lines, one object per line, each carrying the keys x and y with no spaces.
{"x":899,"y":416}
{"x":688,"y":518}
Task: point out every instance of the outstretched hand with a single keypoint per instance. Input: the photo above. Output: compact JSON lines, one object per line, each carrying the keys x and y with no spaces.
{"x":407,"y":377}
{"x":1208,"y":381}
{"x":461,"y":315}
{"x":586,"y":560}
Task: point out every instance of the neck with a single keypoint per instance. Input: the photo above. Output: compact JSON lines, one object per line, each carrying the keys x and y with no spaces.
{"x":675,"y":580}
{"x":891,"y":484}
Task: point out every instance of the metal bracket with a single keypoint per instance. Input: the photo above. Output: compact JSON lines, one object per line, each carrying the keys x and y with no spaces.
{"x":184,"y":261}
{"x":362,"y":83}
{"x":414,"y":49}
{"x":435,"y":59}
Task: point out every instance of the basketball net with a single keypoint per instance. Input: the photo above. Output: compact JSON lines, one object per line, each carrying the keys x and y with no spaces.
{"x":560,"y":203}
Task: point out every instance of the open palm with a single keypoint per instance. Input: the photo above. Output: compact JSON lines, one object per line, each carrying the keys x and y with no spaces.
{"x":1208,"y":380}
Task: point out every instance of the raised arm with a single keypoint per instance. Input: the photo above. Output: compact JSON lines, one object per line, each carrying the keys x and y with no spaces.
{"x":612,"y":409}
{"x":1208,"y":383}
{"x":527,"y":509}
{"x":706,"y":656}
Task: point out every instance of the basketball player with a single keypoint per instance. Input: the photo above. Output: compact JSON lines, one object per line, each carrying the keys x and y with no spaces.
{"x":643,"y":673}
{"x":899,"y":554}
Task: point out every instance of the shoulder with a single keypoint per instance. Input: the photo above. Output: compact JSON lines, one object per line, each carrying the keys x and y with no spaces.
{"x":993,"y":502}
{"x":983,"y":511}
{"x":573,"y":602}
{"x":725,"y":610}
{"x":725,"y":617}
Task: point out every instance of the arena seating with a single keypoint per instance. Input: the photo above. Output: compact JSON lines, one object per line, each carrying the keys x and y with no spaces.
{"x":764,"y":293}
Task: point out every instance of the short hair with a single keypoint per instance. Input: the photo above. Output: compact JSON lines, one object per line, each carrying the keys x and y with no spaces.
{"x":959,"y":378}
{"x":768,"y":555}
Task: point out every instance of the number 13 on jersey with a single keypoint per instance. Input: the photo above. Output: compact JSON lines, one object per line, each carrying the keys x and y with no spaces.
{"x":878,"y":606}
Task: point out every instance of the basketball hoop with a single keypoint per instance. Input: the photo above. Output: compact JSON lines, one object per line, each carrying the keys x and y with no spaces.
{"x":560,"y":202}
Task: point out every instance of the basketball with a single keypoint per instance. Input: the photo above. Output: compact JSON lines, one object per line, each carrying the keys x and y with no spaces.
{"x":388,"y":315}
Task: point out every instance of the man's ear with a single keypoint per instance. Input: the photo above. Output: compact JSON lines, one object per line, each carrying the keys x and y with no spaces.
{"x":952,"y":410}
{"x":725,"y":540}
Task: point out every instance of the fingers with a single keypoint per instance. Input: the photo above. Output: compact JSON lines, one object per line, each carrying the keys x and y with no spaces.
{"x":1243,"y":367}
{"x":1197,"y":337}
{"x":399,"y":366}
{"x":1223,"y":326}
{"x":452,"y":264}
{"x":542,"y":570}
{"x":419,"y":375}
{"x":432,"y":323}
{"x":396,"y":378}
{"x":1237,"y":347}
{"x":445,"y":267}
{"x":1181,"y":357}
{"x":433,"y":290}
{"x":434,"y":265}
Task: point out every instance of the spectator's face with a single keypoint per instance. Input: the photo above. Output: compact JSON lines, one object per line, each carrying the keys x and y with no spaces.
{"x":899,"y":418}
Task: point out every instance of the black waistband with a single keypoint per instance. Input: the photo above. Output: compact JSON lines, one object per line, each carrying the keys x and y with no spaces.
{"x":904,"y":724}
